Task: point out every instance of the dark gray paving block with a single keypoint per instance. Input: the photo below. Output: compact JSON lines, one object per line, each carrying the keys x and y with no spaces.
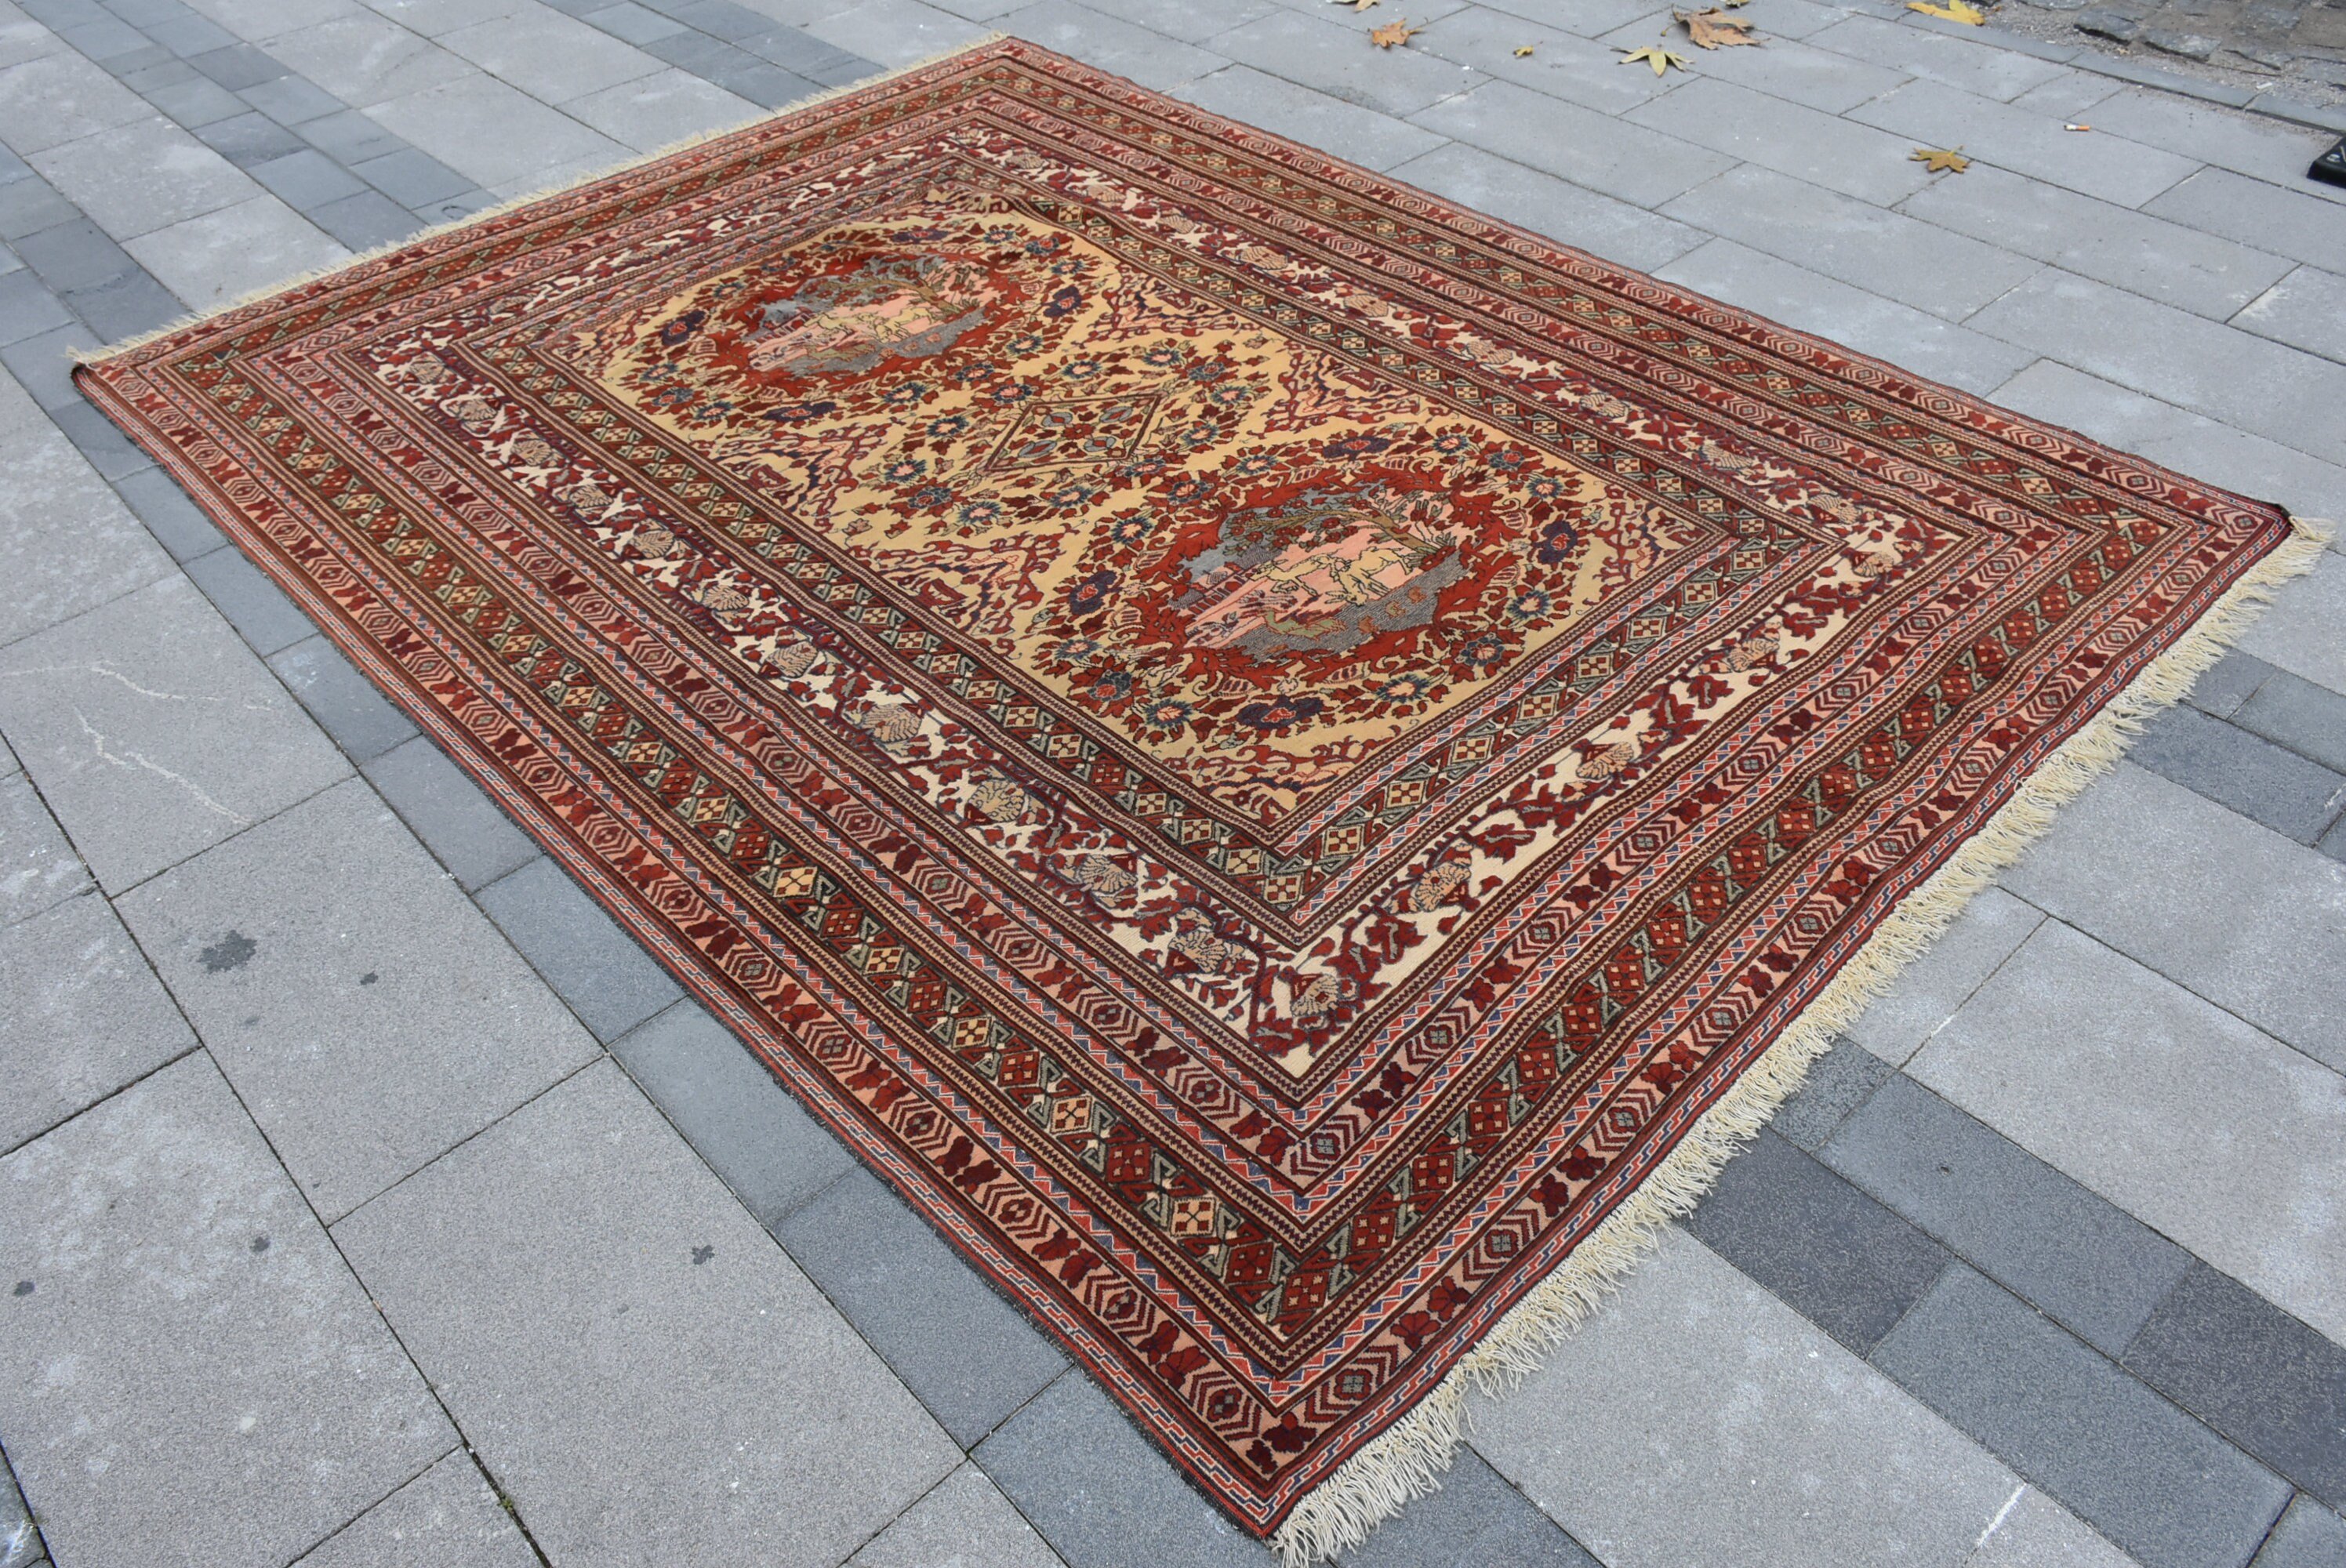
{"x":365,"y":220}
{"x":43,"y":363}
{"x":250,"y":138}
{"x":178,"y":523}
{"x":27,"y":307}
{"x":453,"y":816}
{"x":2253,"y":1373}
{"x":464,"y":204}
{"x":697,"y":52}
{"x":349,"y":137}
{"x":764,"y":84}
{"x":2074,"y":1254}
{"x":2309,"y":719}
{"x":724,"y":19}
{"x":306,"y":178}
{"x":2307,"y":1536}
{"x":809,"y":57}
{"x":2229,"y":682}
{"x":729,"y":1106}
{"x":74,"y":254}
{"x":97,"y":438}
{"x":1476,"y":1520}
{"x":169,"y":72}
{"x":30,"y":207}
{"x":1830,"y":1252}
{"x":125,"y":305}
{"x":188,"y":34}
{"x":200,"y":101}
{"x":2260,"y":780}
{"x":362,"y":721}
{"x":411,"y":178}
{"x":2154,"y":1481}
{"x":1838,"y":1082}
{"x":631,"y":23}
{"x":108,"y":40}
{"x":293,"y":100}
{"x":919,"y":1304}
{"x":256,"y":606}
{"x":584,"y":954}
{"x":236,"y":66}
{"x":1101,"y":1493}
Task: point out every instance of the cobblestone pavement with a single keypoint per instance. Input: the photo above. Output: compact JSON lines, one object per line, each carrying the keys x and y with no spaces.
{"x":2296,"y":46}
{"x":366,"y":1197}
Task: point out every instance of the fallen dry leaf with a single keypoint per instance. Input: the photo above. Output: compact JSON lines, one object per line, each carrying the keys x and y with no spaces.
{"x":1355,"y":4}
{"x":1949,"y":10}
{"x":1715,"y":28}
{"x":1654,"y":54}
{"x":1521,"y":52}
{"x":1392,"y":33}
{"x":1940,"y":160}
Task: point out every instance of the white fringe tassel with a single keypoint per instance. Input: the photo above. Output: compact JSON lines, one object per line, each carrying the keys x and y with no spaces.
{"x":1406,"y":1462}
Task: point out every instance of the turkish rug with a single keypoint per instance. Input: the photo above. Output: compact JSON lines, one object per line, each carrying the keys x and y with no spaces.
{"x":1268,"y":750}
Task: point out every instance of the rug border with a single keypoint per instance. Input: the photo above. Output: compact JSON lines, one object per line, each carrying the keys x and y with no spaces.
{"x":1406,"y":1459}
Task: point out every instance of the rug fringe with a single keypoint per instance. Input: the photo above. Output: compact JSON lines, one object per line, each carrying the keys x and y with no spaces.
{"x":199,"y":317}
{"x":1406,"y":1461}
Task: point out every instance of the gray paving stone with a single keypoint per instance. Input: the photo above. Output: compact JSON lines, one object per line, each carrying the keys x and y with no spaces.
{"x":20,"y":1543}
{"x":1791,"y":138}
{"x":2309,"y":719}
{"x":698,"y":53}
{"x":367,"y":1035}
{"x":199,"y":102}
{"x":257,"y":607}
{"x":27,"y":307}
{"x":1838,"y":1082}
{"x":292,"y":101}
{"x":550,"y":57}
{"x":2307,"y":1536}
{"x":306,"y":178}
{"x":29,"y":206}
{"x":1586,"y":18}
{"x":2249,"y":143}
{"x":236,"y":66}
{"x":1112,"y":45}
{"x":186,"y":33}
{"x":411,"y":178}
{"x":118,"y":715}
{"x":1788,"y":70}
{"x":595,"y":966}
{"x":2179,"y":439}
{"x":1336,"y":58}
{"x":1885,"y":253}
{"x":489,"y":131}
{"x":654,"y":111}
{"x":630,"y":1354}
{"x":1843,"y":1261}
{"x":120,"y":308}
{"x":764,"y":84}
{"x":1094,"y":1486}
{"x":724,"y":19}
{"x":365,"y":60}
{"x":2228,"y":683}
{"x":455,"y":818}
{"x":2298,"y":631}
{"x":1476,"y":1520}
{"x":1809,"y":301}
{"x":2141,"y":1471}
{"x":2167,"y":261}
{"x":1545,"y":205}
{"x":348,"y":136}
{"x":2108,"y":166}
{"x":964,"y":1522}
{"x":178,"y":523}
{"x":2175,"y":356}
{"x":2253,"y":1372}
{"x":86,"y":1017}
{"x":58,"y":98}
{"x":39,"y":869}
{"x":894,"y":32}
{"x":2067,"y":97}
{"x":2236,"y":768}
{"x":631,"y":22}
{"x":52,"y":498}
{"x":1561,"y":65}
{"x":2174,"y":1110}
{"x":2038,"y":1533}
{"x":1991,"y":73}
{"x":363,"y":722}
{"x":2306,"y":310}
{"x":809,"y":57}
{"x":1594,"y":150}
{"x":919,"y":1304}
{"x":448,"y":1515}
{"x":249,"y":138}
{"x":365,"y":221}
{"x":221,"y":257}
{"x":226,"y":1388}
{"x":729,"y":1105}
{"x":1190,"y":21}
{"x":1362,"y":136}
{"x":2070,"y":1253}
{"x":1695,"y":1419}
{"x":2225,"y":203}
{"x":74,"y":254}
{"x":2231,"y":910}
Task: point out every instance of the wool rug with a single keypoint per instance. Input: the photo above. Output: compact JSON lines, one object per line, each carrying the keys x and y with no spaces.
{"x":1292,"y":764}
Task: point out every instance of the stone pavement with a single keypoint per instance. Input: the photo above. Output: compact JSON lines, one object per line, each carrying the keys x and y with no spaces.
{"x":367,"y":1198}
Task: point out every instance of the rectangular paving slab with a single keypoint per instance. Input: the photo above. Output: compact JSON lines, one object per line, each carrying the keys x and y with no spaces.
{"x":188,"y":1371}
{"x":448,"y":1517}
{"x":621,"y":1341}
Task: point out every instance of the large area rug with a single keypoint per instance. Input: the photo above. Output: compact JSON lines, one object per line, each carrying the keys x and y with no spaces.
{"x":1292,"y":764}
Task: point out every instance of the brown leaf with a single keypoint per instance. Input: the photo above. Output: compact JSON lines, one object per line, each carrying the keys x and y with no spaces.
{"x":1355,"y":4}
{"x":1392,"y":33}
{"x":1949,"y":10}
{"x":1714,"y":28}
{"x":1654,"y":54}
{"x":1940,"y":160}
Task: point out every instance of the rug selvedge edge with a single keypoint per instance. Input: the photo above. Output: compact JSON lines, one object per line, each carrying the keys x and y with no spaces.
{"x":1406,"y":1461}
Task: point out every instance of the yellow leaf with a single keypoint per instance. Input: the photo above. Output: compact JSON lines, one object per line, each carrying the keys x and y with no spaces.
{"x":1521,"y":52}
{"x":1392,"y":33}
{"x":1355,"y":4}
{"x":1715,"y":28}
{"x":1940,"y":160}
{"x":1654,"y":54}
{"x":1949,"y":10}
